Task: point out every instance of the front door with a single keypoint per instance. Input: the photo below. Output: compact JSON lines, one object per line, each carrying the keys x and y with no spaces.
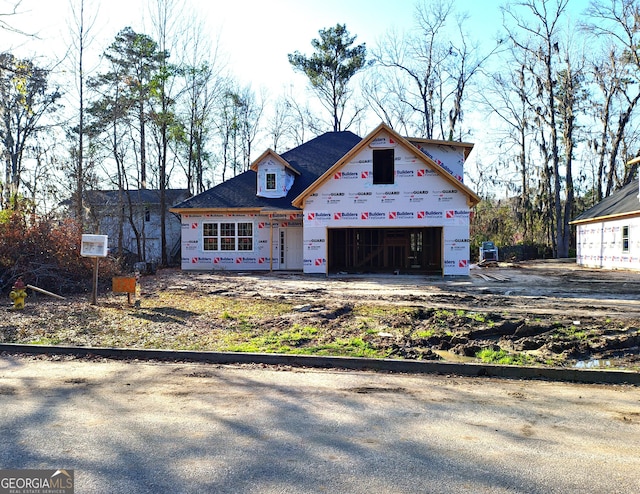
{"x":291,"y":255}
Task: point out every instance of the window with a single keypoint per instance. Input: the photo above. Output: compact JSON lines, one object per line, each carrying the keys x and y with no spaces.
{"x":271,"y":181}
{"x":147,"y":214}
{"x":383,"y":166}
{"x":227,"y":236}
{"x":245,"y":236}
{"x":625,"y":239}
{"x":210,"y":236}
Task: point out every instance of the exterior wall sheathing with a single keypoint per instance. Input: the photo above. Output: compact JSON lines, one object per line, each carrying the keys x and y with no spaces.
{"x":418,"y":198}
{"x":600,"y":244}
{"x":266,"y":244}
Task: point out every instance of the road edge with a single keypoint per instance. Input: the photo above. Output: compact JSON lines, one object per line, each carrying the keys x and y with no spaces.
{"x":587,"y":376}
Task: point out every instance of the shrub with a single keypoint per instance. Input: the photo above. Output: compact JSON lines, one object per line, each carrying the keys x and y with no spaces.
{"x":46,"y":253}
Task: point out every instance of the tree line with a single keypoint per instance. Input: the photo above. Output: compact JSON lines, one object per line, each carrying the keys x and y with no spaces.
{"x":555,"y":94}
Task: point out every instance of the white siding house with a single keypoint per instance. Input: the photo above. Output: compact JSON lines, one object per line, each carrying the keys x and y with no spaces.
{"x":608,"y":234}
{"x":338,"y":203}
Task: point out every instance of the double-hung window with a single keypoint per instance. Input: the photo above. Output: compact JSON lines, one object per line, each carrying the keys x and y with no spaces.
{"x":227,"y":236}
{"x":210,"y":236}
{"x":271,"y":181}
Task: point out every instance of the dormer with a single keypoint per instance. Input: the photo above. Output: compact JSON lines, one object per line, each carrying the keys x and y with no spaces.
{"x":274,"y":175}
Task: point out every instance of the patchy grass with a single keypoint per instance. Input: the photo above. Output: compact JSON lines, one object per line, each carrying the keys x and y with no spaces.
{"x":491,"y":356}
{"x":427,"y":333}
{"x":571,"y":332}
{"x":202,"y":319}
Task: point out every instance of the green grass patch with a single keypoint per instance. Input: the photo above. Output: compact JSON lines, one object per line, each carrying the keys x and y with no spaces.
{"x":572,"y":332}
{"x":474,"y":316}
{"x":345,"y":347}
{"x":286,"y":341}
{"x":301,"y":340}
{"x":45,"y":340}
{"x":502,"y":357}
{"x":427,"y":333}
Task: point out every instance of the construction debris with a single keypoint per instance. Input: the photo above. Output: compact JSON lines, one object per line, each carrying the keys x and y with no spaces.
{"x":46,"y":292}
{"x":491,"y":277}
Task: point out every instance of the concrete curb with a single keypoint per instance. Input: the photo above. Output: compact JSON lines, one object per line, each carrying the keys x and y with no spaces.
{"x":351,"y":363}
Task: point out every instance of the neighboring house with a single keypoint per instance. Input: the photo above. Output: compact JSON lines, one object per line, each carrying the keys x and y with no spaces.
{"x":608,"y":234}
{"x":131,"y":219}
{"x":338,"y":203}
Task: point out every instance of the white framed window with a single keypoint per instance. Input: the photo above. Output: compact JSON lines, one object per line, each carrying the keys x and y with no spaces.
{"x":227,"y":236}
{"x":625,"y":238}
{"x":271,"y":181}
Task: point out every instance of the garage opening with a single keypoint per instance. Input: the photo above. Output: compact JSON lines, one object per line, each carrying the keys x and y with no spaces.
{"x":416,"y":250}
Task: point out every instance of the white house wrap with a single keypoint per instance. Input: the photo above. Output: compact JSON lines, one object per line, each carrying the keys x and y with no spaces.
{"x":338,"y":203}
{"x":608,"y":234}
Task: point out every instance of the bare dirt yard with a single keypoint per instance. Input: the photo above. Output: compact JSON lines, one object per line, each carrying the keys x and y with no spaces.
{"x":531,"y":313}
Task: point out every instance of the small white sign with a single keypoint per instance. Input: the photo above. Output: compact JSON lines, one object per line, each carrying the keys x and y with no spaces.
{"x":94,"y":246}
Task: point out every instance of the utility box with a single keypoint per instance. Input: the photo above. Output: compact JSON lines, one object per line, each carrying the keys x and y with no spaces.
{"x":94,"y":246}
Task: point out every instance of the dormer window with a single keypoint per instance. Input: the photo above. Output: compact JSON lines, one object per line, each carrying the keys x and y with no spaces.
{"x":274,"y":175}
{"x":271,"y":181}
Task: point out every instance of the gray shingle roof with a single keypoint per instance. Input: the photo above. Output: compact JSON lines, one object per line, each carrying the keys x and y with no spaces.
{"x":311,"y":159}
{"x":138,"y":196}
{"x":622,"y":201}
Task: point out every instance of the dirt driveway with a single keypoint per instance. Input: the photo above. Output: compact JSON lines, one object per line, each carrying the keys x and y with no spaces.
{"x":547,"y":287}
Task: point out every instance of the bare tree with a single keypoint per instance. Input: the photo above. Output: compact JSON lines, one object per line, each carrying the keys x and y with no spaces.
{"x":617,"y":77}
{"x":537,"y":34}
{"x":426,"y":73}
{"x":570,"y":101}
{"x":507,"y":97}
{"x":202,"y":74}
{"x":419,"y":61}
{"x":81,"y":27}
{"x":279,"y":125}
{"x":237,"y":125}
{"x":5,"y":16}
{"x":250,"y":110}
{"x":303,"y":120}
{"x":381,"y":89}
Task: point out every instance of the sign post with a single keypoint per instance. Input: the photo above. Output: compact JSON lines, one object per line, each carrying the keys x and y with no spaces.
{"x":94,"y":246}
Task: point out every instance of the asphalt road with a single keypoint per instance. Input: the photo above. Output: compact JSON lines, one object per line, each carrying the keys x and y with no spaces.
{"x":139,"y":427}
